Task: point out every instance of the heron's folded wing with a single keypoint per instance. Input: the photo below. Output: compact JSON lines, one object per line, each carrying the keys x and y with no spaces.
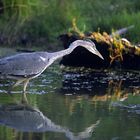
{"x":22,"y":65}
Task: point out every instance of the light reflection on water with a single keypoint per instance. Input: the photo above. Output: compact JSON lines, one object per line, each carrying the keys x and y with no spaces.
{"x":63,"y":105}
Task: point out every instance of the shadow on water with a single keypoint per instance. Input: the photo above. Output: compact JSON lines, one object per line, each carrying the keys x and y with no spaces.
{"x":100,"y":82}
{"x":73,"y":105}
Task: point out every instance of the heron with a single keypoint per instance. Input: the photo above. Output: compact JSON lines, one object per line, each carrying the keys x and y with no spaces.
{"x":25,"y":66}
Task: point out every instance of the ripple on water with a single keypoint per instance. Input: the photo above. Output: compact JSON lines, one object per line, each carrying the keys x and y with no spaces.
{"x":95,"y":80}
{"x":133,"y":109}
{"x":87,"y":81}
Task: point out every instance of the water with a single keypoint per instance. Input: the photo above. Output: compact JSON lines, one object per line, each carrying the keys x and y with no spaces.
{"x":73,"y":105}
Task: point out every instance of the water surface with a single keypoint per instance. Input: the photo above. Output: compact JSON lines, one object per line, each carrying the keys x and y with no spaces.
{"x":73,"y":105}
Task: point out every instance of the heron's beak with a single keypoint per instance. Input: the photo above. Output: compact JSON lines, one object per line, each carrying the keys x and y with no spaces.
{"x":96,"y":52}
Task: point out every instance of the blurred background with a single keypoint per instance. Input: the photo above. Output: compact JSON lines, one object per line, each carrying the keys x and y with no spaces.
{"x":40,"y":22}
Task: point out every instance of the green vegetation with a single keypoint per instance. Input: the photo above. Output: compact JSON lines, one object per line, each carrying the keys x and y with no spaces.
{"x":41,"y":21}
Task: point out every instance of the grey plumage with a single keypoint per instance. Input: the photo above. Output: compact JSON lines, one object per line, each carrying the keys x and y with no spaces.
{"x":23,"y":65}
{"x":26,"y":66}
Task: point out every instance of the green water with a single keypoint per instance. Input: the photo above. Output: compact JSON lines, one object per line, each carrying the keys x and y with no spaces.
{"x":84,"y":105}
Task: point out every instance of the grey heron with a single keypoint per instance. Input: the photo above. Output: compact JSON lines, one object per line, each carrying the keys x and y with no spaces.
{"x":26,"y":66}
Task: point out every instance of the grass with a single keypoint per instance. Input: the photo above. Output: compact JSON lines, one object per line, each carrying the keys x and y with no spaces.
{"x":41,"y":21}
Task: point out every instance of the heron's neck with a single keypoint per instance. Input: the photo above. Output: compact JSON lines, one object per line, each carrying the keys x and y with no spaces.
{"x":59,"y":54}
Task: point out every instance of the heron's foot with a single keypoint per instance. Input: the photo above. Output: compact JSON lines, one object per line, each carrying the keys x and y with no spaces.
{"x":23,"y":101}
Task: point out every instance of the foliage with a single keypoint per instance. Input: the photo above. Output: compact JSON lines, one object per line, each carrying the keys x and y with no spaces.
{"x":43,"y":20}
{"x":14,"y":14}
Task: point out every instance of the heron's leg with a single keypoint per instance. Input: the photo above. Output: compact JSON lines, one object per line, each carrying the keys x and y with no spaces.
{"x":16,"y":84}
{"x":24,"y":98}
{"x":25,"y":85}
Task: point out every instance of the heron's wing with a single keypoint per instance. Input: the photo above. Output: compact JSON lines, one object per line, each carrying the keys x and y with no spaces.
{"x":25,"y":64}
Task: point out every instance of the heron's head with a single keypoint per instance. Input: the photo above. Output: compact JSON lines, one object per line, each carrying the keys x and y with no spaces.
{"x":89,"y":45}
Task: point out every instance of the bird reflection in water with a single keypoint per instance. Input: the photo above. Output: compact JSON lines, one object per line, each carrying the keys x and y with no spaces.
{"x":25,"y":118}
